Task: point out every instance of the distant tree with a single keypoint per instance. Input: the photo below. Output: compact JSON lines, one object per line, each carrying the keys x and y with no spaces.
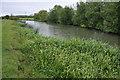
{"x":36,"y":17}
{"x":15,"y":18}
{"x":41,"y":16}
{"x":6,"y":17}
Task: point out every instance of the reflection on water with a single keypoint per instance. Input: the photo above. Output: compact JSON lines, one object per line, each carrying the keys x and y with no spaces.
{"x":67,"y":32}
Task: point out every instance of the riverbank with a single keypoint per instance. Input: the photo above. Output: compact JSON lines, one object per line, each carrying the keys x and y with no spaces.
{"x":26,"y":54}
{"x":75,"y":58}
{"x":83,"y":26}
{"x":89,"y":15}
{"x":105,"y":31}
{"x":69,"y":31}
{"x":90,"y":28}
{"x":11,"y":49}
{"x":13,"y":60}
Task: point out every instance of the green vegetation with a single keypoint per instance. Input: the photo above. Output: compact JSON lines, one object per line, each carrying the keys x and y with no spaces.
{"x":0,"y":49}
{"x":10,"y":17}
{"x":13,"y":59}
{"x":96,"y":15}
{"x":26,"y":54}
{"x":66,"y":16}
{"x":18,"y":17}
{"x":30,"y":19}
{"x":75,"y":58}
{"x":41,"y":16}
{"x":7,"y":17}
{"x":54,"y":15}
{"x":10,"y":49}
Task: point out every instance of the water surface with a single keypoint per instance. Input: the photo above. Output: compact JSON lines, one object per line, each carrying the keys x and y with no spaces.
{"x":68,"y":31}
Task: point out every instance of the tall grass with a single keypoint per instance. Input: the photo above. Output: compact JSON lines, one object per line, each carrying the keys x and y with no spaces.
{"x":74,"y":58}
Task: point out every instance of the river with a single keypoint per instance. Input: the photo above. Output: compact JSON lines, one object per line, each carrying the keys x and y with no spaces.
{"x":68,"y":31}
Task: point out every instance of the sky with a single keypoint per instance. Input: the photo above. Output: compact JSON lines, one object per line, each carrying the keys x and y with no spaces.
{"x":40,"y":0}
{"x":22,"y":7}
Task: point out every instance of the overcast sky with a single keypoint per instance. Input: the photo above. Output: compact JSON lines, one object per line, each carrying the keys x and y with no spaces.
{"x":39,"y":0}
{"x":20,"y":7}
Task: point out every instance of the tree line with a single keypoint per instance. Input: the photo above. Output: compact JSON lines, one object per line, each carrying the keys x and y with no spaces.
{"x":16,"y":17}
{"x":98,"y":15}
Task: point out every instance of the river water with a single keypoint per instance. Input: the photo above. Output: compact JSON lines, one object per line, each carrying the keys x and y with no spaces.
{"x":68,"y":31}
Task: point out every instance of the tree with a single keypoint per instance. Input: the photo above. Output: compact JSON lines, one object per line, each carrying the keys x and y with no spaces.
{"x":41,"y":16}
{"x":67,"y":15}
{"x":98,"y":15}
{"x":93,"y":14}
{"x":6,"y":17}
{"x":36,"y":16}
{"x":55,"y":14}
{"x":52,"y":16}
{"x":12,"y":17}
{"x":110,"y":17}
{"x":79,"y":17}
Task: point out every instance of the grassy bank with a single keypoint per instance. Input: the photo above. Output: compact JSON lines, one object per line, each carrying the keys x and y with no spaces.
{"x":26,"y":54}
{"x":11,"y":49}
{"x":13,"y":59}
{"x":75,"y":58}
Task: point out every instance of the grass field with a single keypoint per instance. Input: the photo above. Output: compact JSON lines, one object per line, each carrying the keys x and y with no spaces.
{"x":26,"y":54}
{"x":26,"y":19}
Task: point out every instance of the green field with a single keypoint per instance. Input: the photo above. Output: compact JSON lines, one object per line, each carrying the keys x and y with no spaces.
{"x":26,"y":19}
{"x":26,"y":54}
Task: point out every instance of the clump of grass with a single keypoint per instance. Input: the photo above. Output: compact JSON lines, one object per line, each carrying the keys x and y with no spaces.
{"x":75,"y":58}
